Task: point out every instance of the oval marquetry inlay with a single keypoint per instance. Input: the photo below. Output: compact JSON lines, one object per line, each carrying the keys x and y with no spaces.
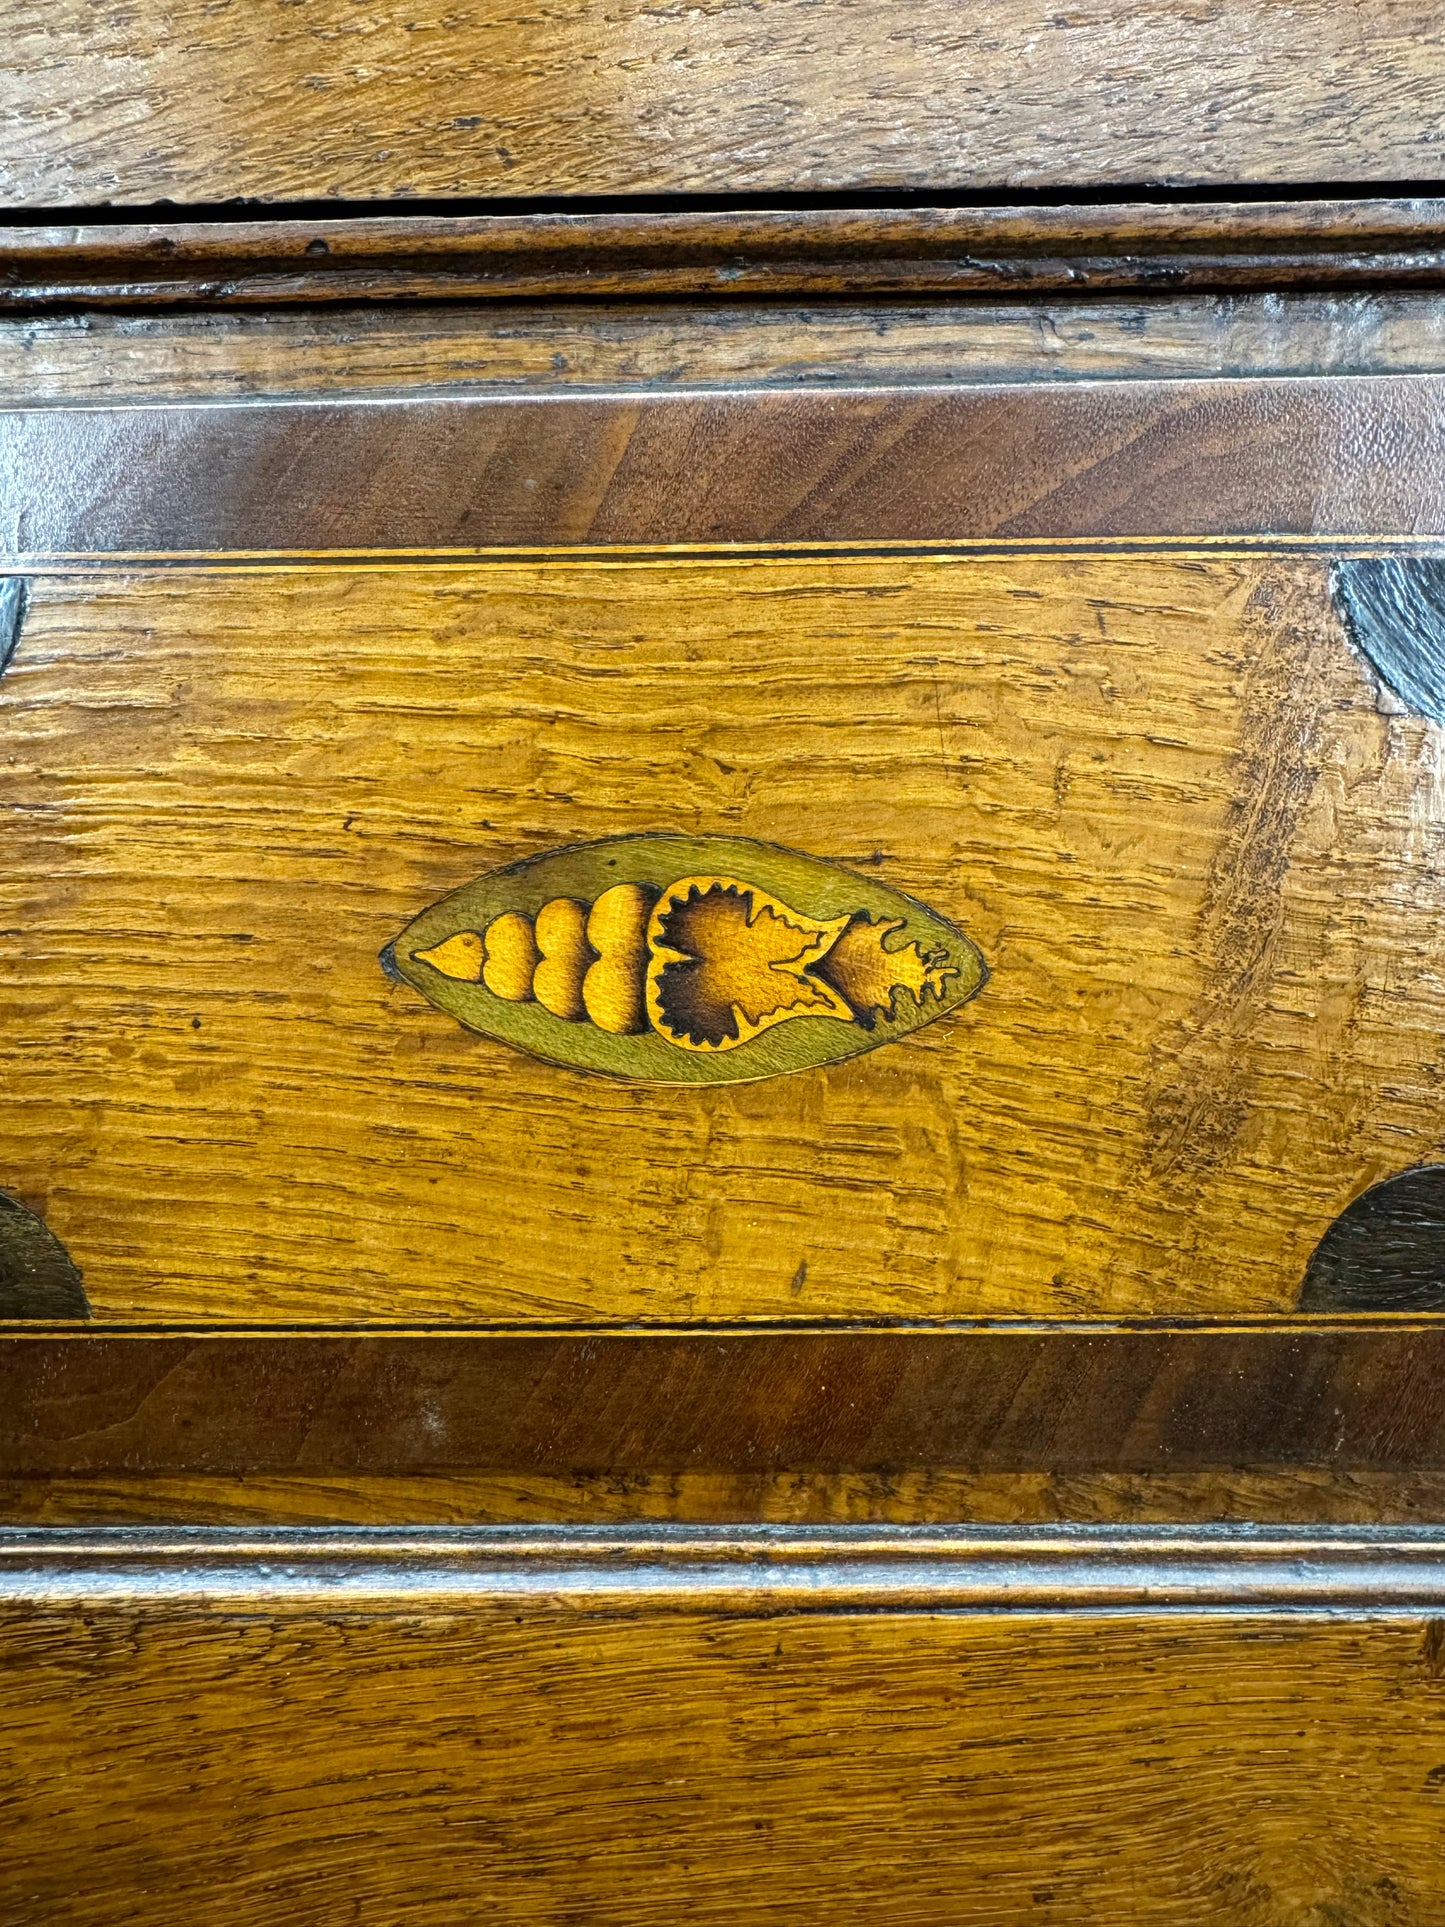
{"x":682,"y":960}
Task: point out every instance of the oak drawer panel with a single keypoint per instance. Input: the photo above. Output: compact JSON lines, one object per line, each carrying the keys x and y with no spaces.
{"x":1126,"y":731}
{"x":900,"y":1728}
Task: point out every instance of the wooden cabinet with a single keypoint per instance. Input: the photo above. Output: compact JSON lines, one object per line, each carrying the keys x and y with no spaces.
{"x":720,"y":970}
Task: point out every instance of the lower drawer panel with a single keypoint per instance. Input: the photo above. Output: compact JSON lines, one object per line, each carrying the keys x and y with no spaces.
{"x":446,"y":1728}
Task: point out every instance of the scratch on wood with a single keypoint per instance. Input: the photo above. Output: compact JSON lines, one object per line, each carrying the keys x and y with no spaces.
{"x":1199,"y":1105}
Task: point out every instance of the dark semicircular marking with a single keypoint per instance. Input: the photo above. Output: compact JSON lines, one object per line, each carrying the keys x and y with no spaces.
{"x":1385,"y":1251}
{"x":37,"y":1276}
{"x":1394,"y":609}
{"x":13,"y":598}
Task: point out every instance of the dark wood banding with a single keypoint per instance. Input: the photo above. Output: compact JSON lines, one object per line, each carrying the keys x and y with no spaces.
{"x":1334,"y":1398}
{"x":1304,"y":458}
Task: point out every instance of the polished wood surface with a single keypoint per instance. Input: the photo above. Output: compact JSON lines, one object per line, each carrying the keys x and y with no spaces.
{"x":1304,"y":1423}
{"x":1048,"y":462}
{"x":179,"y":100}
{"x":1072,"y":568}
{"x":1229,"y":1495}
{"x":1210,"y":1022}
{"x":641,"y":1731}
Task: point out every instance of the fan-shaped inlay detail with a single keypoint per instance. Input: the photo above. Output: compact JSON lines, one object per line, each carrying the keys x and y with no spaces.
{"x":1385,"y":1251}
{"x":1394,"y":609}
{"x":37,"y":1277}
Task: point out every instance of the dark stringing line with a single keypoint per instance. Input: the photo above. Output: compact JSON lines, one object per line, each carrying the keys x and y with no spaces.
{"x":860,"y":200}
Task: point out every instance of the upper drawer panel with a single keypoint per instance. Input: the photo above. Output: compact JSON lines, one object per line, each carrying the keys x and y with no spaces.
{"x":198,"y":102}
{"x":942,"y":854}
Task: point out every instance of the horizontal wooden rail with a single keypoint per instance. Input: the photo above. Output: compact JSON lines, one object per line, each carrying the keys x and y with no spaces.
{"x":446,"y":480}
{"x":796,"y":1569}
{"x":1340,"y":1397}
{"x":821,"y":251}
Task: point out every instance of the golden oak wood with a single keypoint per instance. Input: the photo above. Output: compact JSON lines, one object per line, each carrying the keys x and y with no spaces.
{"x":1380,"y":329}
{"x":1198,"y":839}
{"x":653,"y":1741}
{"x":428,"y":349}
{"x":1315,"y":1495}
{"x":1159,"y":792}
{"x":189,"y":102}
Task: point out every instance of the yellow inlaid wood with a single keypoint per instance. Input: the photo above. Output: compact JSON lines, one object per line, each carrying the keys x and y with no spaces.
{"x":748,"y":956}
{"x":464,"y":957}
{"x":613,"y":990}
{"x":511,"y":956}
{"x":561,"y":935}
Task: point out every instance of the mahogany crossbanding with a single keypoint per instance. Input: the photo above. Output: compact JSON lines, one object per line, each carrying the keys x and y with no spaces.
{"x":1339,"y":460}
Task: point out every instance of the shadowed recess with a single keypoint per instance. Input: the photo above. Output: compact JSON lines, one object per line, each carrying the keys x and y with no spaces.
{"x":37,"y":1278}
{"x":1386,"y":1251}
{"x":1394,"y":609}
{"x":13,"y":598}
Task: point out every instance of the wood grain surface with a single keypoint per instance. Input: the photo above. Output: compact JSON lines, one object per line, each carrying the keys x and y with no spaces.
{"x":1314,"y":1423}
{"x":1046,"y":461}
{"x":551,"y":1756}
{"x":434,"y":348}
{"x":1161,"y":793}
{"x":822,"y":251}
{"x":187,"y":101}
{"x":1229,"y":1494}
{"x":1199,"y":844}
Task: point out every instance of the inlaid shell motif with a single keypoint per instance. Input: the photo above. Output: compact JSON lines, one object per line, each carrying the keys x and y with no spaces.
{"x":686,"y":960}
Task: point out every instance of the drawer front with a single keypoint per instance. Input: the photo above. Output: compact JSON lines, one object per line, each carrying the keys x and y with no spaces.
{"x":1083,"y":737}
{"x":724,"y":1732}
{"x":586,"y":956}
